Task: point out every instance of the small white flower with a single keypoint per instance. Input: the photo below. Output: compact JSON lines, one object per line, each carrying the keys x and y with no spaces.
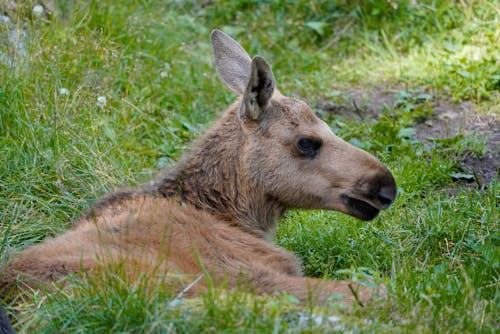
{"x":101,"y":101}
{"x":37,"y":10}
{"x":63,"y":91}
{"x":166,"y":71}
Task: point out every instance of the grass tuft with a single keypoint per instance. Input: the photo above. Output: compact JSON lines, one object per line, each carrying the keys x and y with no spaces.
{"x":106,"y":93}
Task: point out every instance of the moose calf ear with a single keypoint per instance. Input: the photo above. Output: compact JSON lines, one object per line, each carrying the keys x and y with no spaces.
{"x":259,"y":90}
{"x":231,"y":60}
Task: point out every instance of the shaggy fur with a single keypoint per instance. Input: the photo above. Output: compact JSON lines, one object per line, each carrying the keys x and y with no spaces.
{"x":212,"y":211}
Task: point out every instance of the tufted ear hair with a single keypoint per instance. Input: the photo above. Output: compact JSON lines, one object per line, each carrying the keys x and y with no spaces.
{"x":259,"y":89}
{"x":232,"y":62}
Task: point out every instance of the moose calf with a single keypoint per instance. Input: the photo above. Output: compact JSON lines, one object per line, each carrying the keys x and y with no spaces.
{"x":210,"y":213}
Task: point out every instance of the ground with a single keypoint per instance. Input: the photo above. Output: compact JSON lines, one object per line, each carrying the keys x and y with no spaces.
{"x":97,"y":95}
{"x":447,"y":120}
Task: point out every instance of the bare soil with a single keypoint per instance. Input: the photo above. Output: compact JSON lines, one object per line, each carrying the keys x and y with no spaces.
{"x":447,"y":121}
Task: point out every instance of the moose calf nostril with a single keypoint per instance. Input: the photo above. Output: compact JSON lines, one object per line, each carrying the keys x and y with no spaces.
{"x":387,"y":195}
{"x":384,"y":200}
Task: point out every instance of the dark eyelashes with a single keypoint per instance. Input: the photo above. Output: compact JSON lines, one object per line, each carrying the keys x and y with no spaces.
{"x":309,"y":147}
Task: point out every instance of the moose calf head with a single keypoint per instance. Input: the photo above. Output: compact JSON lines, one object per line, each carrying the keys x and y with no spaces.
{"x":289,"y":152}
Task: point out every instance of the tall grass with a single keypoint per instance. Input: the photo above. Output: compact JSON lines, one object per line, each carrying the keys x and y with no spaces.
{"x":62,"y":147}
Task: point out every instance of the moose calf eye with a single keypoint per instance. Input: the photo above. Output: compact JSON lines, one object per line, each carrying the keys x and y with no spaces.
{"x":309,"y":147}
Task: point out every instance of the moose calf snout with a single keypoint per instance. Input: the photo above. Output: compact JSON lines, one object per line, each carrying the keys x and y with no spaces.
{"x":374,"y":193}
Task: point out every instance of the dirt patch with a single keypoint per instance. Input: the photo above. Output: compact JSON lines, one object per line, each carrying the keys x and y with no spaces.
{"x":360,"y":103}
{"x":448,"y":120}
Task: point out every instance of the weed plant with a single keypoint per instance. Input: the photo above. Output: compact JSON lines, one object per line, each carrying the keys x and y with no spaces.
{"x":107,"y":93}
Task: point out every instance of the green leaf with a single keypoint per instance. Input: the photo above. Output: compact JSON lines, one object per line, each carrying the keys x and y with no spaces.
{"x":109,"y":132}
{"x":317,"y":26}
{"x":423,"y":98}
{"x":407,"y":133}
{"x":464,"y":74}
{"x":462,"y":176}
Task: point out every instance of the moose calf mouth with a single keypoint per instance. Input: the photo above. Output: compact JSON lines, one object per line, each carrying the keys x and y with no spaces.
{"x":359,"y":208}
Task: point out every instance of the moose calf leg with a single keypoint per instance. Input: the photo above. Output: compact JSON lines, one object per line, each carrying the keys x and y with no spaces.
{"x":309,"y":289}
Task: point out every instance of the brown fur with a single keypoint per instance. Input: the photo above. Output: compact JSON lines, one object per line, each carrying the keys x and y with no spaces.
{"x":212,"y":211}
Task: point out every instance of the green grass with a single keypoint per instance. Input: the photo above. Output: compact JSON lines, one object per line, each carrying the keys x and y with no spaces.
{"x":436,"y":249}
